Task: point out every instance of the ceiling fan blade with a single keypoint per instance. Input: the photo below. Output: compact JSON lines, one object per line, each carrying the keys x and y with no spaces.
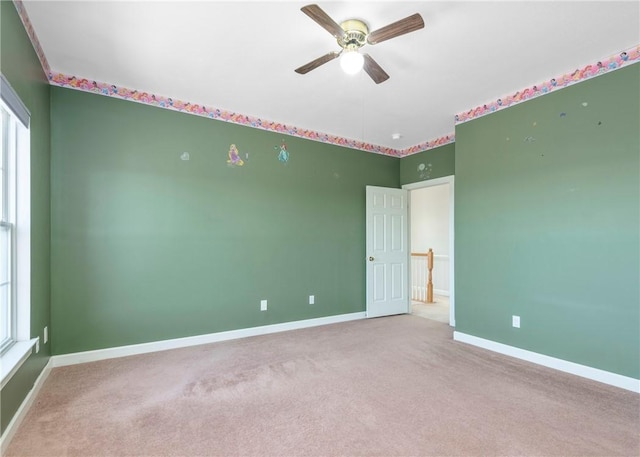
{"x":317,"y":14}
{"x":406,"y":25}
{"x":374,"y":70}
{"x":317,"y":62}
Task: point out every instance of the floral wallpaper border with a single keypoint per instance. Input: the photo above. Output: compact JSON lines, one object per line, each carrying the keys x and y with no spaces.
{"x":625,"y":58}
{"x":427,"y":145}
{"x":32,"y":35}
{"x":111,"y":90}
{"x":62,"y":80}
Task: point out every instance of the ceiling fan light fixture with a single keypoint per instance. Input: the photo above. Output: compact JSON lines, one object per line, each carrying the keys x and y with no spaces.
{"x":351,"y":61}
{"x":353,"y":34}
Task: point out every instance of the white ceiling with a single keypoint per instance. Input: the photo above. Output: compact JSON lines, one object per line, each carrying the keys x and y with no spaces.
{"x":240,"y":56}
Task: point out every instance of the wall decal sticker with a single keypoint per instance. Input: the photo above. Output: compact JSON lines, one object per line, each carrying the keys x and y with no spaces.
{"x":234,"y":157}
{"x":424,"y":171}
{"x":585,"y":104}
{"x":529,"y":139}
{"x":185,"y":156}
{"x":283,"y":153}
{"x":563,"y":114}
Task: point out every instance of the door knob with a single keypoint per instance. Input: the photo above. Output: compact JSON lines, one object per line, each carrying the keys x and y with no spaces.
{"x":371,"y":259}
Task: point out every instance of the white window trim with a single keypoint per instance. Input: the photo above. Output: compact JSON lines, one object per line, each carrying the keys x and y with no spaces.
{"x":19,"y":352}
{"x":13,"y":359}
{"x":13,"y":102}
{"x":23,"y":235}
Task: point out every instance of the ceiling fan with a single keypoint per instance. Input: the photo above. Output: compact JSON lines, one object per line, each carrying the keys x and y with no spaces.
{"x":353,"y":34}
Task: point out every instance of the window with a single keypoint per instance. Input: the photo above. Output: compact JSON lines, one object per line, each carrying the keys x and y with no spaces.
{"x":7,"y":229}
{"x":15,"y":232}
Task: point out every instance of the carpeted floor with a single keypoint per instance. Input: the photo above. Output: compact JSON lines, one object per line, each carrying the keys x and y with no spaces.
{"x":438,"y":310}
{"x":395,"y":386}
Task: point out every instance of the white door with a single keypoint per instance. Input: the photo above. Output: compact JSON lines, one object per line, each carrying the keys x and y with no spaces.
{"x":387,"y":252}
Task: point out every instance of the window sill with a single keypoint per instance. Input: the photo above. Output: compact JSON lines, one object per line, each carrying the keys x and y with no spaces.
{"x":13,"y":359}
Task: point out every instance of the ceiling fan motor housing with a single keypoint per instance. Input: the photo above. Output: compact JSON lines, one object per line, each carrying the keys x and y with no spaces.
{"x":355,"y":35}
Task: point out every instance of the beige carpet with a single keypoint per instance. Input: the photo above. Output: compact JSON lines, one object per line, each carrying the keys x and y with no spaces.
{"x":377,"y":387}
{"x":438,"y":310}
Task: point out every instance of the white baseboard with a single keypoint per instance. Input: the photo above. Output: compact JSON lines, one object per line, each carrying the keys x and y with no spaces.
{"x":143,"y":348}
{"x":584,"y":371}
{"x":23,"y":409}
{"x":444,"y":293}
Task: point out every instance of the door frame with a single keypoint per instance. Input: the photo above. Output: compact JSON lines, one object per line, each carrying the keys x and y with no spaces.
{"x":431,"y":183}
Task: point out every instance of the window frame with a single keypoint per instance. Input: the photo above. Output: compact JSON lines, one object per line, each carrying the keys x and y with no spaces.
{"x":8,"y":217}
{"x":17,"y":216}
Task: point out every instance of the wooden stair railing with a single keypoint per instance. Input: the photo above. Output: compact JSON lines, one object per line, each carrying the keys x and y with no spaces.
{"x":430,"y":281}
{"x":429,"y":256}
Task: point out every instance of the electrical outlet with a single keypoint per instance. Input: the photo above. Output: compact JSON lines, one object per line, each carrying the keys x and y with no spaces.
{"x":263,"y":305}
{"x":46,"y":335}
{"x":312,"y":299}
{"x":515,"y":321}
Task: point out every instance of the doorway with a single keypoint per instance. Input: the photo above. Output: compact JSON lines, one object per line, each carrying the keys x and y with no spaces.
{"x":431,"y":226}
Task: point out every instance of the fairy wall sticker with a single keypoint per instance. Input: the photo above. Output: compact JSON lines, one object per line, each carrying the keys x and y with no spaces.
{"x":424,"y":171}
{"x":234,"y":157}
{"x":283,"y":153}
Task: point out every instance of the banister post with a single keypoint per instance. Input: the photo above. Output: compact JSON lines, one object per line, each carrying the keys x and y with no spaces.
{"x":430,"y":282}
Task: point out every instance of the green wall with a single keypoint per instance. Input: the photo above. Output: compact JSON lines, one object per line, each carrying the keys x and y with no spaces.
{"x":547,"y":224}
{"x":148,"y":247}
{"x":437,"y":162}
{"x":131,"y":244}
{"x":20,"y":65}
